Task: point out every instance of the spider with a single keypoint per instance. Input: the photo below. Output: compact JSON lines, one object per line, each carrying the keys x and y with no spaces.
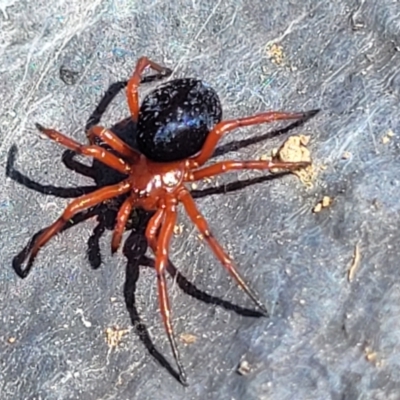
{"x":179,"y":125}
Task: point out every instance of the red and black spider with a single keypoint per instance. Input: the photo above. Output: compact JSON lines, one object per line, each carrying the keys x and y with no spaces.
{"x":178,"y":127}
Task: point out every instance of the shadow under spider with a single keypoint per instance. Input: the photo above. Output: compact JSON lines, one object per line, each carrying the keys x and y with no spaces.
{"x":135,"y":246}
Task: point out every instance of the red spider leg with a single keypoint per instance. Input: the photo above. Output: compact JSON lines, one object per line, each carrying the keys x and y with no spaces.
{"x":165,"y":221}
{"x":94,"y":151}
{"x":135,"y":80}
{"x":78,"y":205}
{"x":122,"y":217}
{"x":153,"y":227}
{"x":226,"y":166}
{"x":226,"y":126}
{"x":113,"y":141}
{"x":202,"y":225}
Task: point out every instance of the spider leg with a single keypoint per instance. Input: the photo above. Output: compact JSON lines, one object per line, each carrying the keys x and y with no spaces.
{"x":104,"y":103}
{"x":122,"y":217}
{"x":153,"y":227}
{"x":136,"y":79}
{"x":202,"y":225}
{"x":226,"y":126}
{"x":226,"y":166}
{"x":110,"y":95}
{"x":108,"y":137}
{"x":165,"y":221}
{"x":76,"y":206}
{"x":96,"y":152}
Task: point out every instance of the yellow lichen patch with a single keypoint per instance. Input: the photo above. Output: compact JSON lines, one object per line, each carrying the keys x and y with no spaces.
{"x":294,"y":149}
{"x":275,"y":53}
{"x":114,"y":336}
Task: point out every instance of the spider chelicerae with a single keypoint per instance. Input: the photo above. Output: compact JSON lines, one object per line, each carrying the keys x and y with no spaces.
{"x":179,"y":125}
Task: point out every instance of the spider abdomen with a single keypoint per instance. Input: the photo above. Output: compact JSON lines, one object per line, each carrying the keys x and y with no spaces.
{"x":175,"y":119}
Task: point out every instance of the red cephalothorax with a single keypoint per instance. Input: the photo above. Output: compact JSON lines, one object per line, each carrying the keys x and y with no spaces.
{"x":178,"y":127}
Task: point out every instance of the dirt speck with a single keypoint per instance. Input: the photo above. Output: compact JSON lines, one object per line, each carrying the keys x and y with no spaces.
{"x":244,"y":368}
{"x":346,"y":155}
{"x":355,"y":263}
{"x":324,"y":203}
{"x":372,"y":356}
{"x":188,"y":338}
{"x":388,"y":136}
{"x":178,"y":229}
{"x":114,"y":336}
{"x":294,"y":149}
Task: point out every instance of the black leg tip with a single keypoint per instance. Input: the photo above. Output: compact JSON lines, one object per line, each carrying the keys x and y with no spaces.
{"x":181,"y":374}
{"x":311,"y":113}
{"x":167,"y":72}
{"x":263,"y":312}
{"x":21,"y":271}
{"x":41,"y":128}
{"x":184,"y":383}
{"x":183,"y":380}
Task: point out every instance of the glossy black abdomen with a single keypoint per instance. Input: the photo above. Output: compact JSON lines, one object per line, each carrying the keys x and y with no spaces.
{"x":175,"y":119}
